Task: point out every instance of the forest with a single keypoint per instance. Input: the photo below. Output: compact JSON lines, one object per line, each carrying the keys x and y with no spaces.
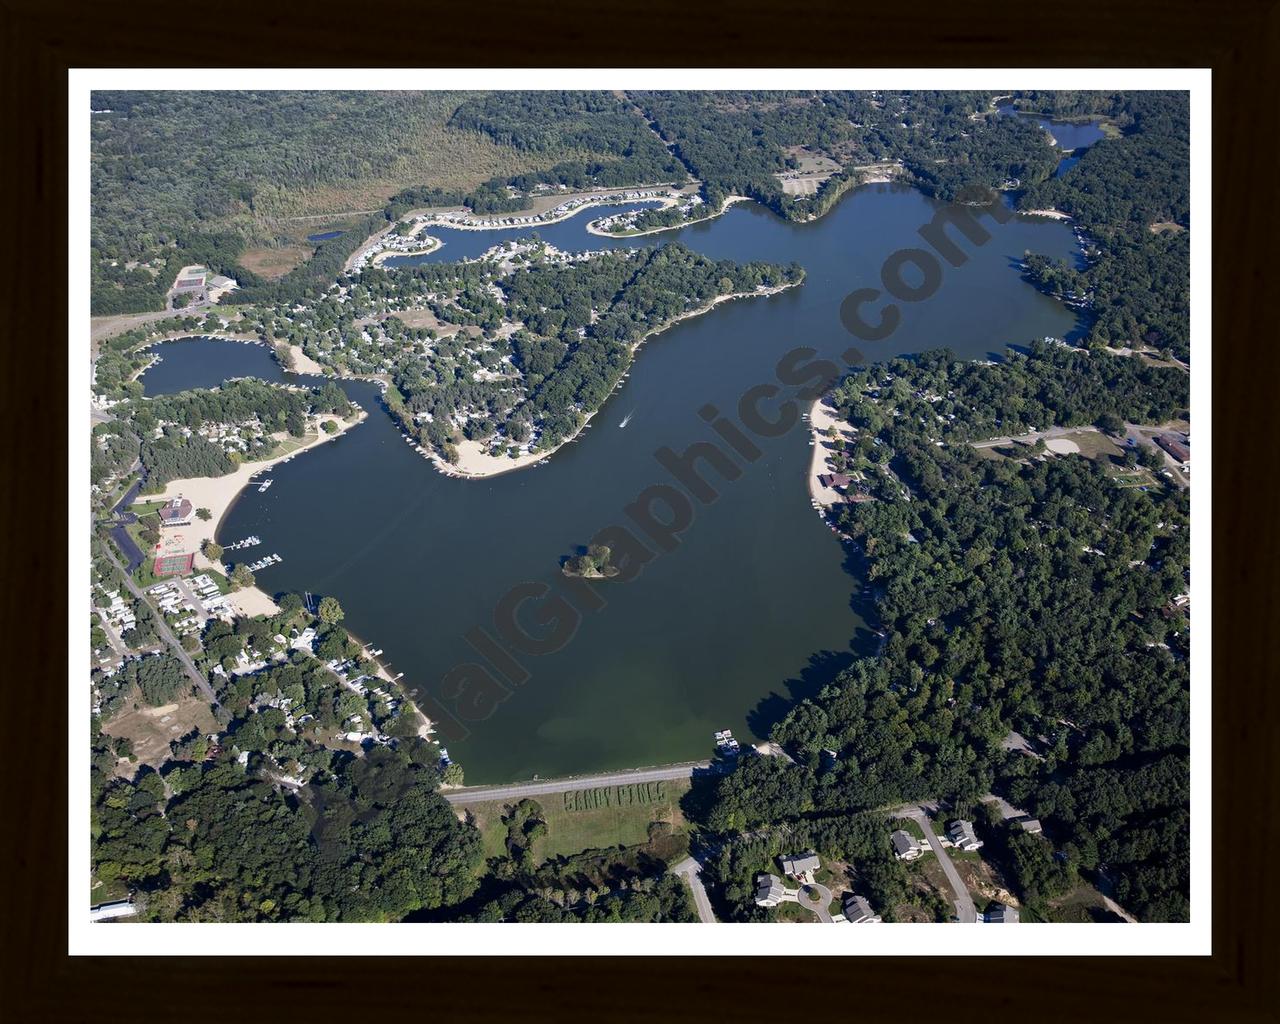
{"x":162,"y":431}
{"x":1132,"y":196}
{"x":1031,"y":595}
{"x":164,"y":196}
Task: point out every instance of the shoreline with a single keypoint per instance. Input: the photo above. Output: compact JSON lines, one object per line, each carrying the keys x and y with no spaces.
{"x":603,"y":198}
{"x":219,"y":494}
{"x":482,"y":466}
{"x":821,"y":417}
{"x":382,"y":256}
{"x":728,"y":202}
{"x":1054,"y":214}
{"x":428,"y":728}
{"x":302,"y":363}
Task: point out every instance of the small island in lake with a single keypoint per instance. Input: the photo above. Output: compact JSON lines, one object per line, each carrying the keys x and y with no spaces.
{"x":596,"y":564}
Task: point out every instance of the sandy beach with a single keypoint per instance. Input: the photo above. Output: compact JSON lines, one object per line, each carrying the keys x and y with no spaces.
{"x":822,"y":417}
{"x":303,"y":363}
{"x":218,"y":494}
{"x":473,"y":463}
{"x":1055,"y":214}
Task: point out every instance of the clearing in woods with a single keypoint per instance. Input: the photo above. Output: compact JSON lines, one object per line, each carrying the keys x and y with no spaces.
{"x":588,"y":819}
{"x":151,"y":730}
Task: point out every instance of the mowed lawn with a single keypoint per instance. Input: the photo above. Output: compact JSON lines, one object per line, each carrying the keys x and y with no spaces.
{"x":570,"y":830}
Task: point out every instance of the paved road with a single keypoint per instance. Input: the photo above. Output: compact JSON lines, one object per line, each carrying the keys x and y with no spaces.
{"x":965,"y":912}
{"x":519,"y":790}
{"x":691,"y":871}
{"x":816,"y":898}
{"x":166,"y":634}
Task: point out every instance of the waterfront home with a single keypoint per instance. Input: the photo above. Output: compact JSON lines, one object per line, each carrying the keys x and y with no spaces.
{"x":176,"y":513}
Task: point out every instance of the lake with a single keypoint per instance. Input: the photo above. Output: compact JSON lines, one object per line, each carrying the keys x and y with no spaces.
{"x":760,"y":601}
{"x":1073,"y":137}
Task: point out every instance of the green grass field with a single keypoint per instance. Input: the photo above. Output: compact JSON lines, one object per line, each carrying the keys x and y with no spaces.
{"x":572,"y":829}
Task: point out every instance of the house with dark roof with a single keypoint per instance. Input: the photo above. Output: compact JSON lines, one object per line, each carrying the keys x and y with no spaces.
{"x":176,"y":513}
{"x":858,"y":911}
{"x":998,"y":913}
{"x":769,"y":890}
{"x":836,"y":480}
{"x":905,"y":845}
{"x":961,"y":835}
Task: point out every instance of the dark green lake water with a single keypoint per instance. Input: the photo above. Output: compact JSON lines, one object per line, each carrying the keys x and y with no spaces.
{"x":758,"y":604}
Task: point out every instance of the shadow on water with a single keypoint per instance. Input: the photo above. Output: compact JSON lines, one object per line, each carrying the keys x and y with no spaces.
{"x":820,"y":670}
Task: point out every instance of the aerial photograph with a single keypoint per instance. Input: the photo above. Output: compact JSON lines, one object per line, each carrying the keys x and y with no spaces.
{"x":613,"y":505}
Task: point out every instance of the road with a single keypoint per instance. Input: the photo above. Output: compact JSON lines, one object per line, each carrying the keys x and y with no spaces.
{"x":166,"y":634}
{"x":691,"y":871}
{"x":520,"y":790}
{"x":816,"y":899}
{"x":965,"y":912}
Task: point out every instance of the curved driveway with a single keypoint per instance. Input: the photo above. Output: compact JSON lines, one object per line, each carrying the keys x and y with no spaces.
{"x":816,"y":898}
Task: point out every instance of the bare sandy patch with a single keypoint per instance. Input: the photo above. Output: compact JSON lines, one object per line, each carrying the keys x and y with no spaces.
{"x":1062,"y":446}
{"x":151,"y":730}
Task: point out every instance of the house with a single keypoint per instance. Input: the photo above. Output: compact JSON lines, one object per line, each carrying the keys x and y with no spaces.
{"x":1029,"y":824}
{"x":799,"y":866}
{"x":961,"y":835}
{"x":836,"y":480}
{"x":905,"y":845}
{"x":769,"y":890}
{"x":176,"y":513}
{"x":998,"y":913}
{"x":858,"y":911}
